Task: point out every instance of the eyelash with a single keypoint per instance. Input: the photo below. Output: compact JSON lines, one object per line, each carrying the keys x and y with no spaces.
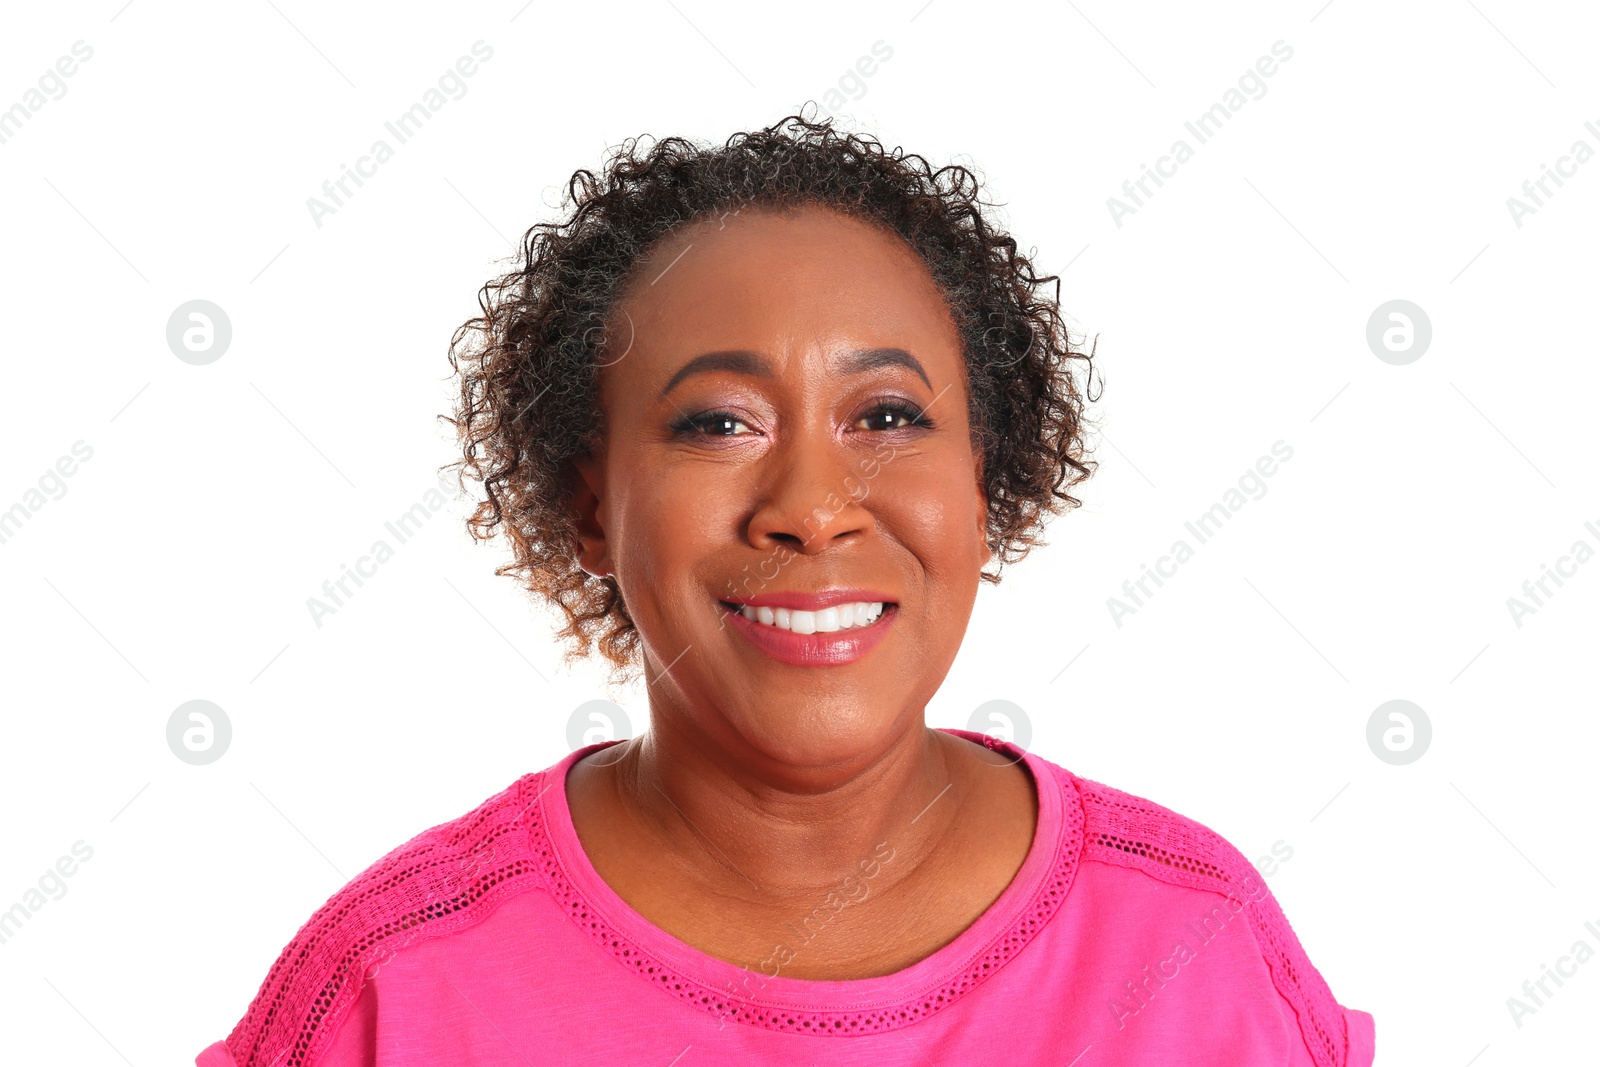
{"x":690,"y":425}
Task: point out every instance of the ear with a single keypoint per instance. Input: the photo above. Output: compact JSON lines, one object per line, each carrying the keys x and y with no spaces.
{"x":982,"y":495}
{"x":587,"y":479}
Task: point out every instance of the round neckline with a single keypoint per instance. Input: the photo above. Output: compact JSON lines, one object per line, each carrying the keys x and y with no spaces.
{"x":834,"y":1006}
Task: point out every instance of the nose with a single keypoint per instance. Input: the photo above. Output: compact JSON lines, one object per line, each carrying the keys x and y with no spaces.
{"x":810,"y":497}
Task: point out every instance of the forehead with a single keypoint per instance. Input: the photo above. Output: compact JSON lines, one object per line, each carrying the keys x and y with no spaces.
{"x":808,"y":277}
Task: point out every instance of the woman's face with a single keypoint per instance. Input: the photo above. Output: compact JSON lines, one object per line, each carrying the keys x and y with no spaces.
{"x":763,"y":379}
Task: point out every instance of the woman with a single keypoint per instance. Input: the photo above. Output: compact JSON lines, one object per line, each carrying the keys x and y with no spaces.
{"x":756,"y":418}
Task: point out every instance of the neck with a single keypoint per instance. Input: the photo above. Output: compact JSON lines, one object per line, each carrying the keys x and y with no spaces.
{"x":757,"y":830}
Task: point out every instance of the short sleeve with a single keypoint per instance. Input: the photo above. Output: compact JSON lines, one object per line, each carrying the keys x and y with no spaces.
{"x":215,"y":1054}
{"x":1359,"y":1033}
{"x":354,"y":1042}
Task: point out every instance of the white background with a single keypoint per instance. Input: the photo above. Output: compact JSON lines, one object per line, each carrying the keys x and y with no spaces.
{"x":1231,"y":313}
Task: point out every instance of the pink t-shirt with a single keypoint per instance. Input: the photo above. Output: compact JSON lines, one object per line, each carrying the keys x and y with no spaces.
{"x":1131,"y":935}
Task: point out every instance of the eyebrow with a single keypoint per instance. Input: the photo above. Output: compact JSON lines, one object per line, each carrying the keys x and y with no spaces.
{"x":743,"y":361}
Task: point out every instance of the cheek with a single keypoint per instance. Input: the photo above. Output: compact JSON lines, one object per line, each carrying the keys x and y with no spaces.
{"x":670,"y":529}
{"x":932,"y":508}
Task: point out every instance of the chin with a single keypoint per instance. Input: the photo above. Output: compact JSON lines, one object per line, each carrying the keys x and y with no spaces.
{"x":807,"y":736}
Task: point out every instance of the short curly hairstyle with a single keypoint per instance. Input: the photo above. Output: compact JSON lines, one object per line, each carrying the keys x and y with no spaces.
{"x":529,"y":364}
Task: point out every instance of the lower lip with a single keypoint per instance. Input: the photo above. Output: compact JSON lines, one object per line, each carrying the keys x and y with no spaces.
{"x":814,"y":650}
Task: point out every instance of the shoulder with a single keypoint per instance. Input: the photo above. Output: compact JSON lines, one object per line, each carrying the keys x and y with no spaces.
{"x":1131,"y":832}
{"x":445,"y":879}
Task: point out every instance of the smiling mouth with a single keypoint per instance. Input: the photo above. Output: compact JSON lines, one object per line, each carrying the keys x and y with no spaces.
{"x":814,"y":629}
{"x":840,"y":618}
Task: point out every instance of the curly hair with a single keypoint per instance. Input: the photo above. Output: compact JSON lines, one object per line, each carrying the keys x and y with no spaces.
{"x":529,"y":364}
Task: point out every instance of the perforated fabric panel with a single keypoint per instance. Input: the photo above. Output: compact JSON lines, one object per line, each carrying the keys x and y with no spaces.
{"x":444,"y":879}
{"x":1133,"y":832}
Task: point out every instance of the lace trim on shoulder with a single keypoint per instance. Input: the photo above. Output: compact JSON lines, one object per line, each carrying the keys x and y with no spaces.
{"x":1133,"y":832}
{"x":445,"y":879}
{"x":729,"y":1004}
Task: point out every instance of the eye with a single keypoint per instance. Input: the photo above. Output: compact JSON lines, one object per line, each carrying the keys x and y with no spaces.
{"x":895,"y":415}
{"x":709,"y":424}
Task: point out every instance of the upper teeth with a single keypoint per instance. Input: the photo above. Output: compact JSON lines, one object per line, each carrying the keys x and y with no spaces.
{"x":826,"y":621}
